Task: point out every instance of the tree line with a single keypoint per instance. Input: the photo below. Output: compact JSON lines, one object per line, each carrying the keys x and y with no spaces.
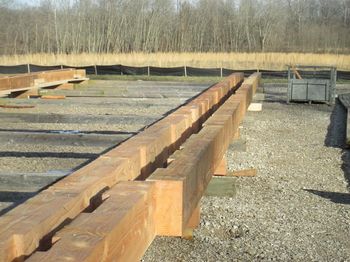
{"x":103,"y":26}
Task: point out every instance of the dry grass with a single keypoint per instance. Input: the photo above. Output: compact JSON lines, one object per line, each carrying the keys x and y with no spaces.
{"x":275,"y":61}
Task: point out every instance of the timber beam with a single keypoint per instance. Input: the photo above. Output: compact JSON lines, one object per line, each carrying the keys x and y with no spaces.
{"x":26,"y":85}
{"x":128,"y":215}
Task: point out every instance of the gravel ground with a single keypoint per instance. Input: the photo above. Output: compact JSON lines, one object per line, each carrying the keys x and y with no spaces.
{"x":99,"y":106}
{"x":298,"y":206}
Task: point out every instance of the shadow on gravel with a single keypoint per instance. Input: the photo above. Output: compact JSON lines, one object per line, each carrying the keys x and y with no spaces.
{"x":49,"y":155}
{"x":338,"y":198}
{"x":336,"y":136}
{"x":15,"y":198}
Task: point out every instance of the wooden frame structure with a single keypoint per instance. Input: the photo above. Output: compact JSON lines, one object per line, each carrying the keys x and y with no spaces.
{"x":99,"y":213}
{"x":28,"y":84}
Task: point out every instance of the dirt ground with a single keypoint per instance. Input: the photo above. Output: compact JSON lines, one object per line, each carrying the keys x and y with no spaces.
{"x":298,"y":206}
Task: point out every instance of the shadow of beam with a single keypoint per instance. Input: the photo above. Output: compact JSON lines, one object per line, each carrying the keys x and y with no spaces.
{"x":338,"y":198}
{"x":48,"y":155}
{"x":336,"y":136}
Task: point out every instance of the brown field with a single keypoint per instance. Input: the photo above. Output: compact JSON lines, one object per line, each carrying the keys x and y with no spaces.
{"x":273,"y":61}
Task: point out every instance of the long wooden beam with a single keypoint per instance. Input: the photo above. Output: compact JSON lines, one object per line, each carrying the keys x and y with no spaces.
{"x":180,"y":186}
{"x":122,"y":228}
{"x":35,"y":81}
{"x":22,"y":229}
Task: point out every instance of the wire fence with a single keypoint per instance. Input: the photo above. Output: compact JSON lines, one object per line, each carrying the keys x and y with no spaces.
{"x":161,"y":71}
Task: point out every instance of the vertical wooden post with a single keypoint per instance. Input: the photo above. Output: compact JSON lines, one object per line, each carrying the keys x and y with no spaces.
{"x":185,"y":71}
{"x":61,"y":66}
{"x":95,"y":69}
{"x":28,"y":68}
{"x":221,"y":72}
{"x":148,"y":71}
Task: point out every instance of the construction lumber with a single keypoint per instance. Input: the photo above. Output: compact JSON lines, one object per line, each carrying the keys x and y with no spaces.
{"x":245,"y":173}
{"x":121,"y":229}
{"x":22,"y":85}
{"x":221,"y":169}
{"x":23,"y":228}
{"x":52,"y":97}
{"x":180,"y":186}
{"x":255,"y":107}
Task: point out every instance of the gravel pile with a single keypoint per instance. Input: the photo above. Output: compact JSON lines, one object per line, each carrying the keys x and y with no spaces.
{"x":298,"y":206}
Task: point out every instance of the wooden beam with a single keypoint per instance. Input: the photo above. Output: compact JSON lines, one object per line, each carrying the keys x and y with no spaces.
{"x":188,"y":175}
{"x":244,"y":173}
{"x":52,"y":97}
{"x":121,"y":229}
{"x":66,"y":199}
{"x":221,"y":170}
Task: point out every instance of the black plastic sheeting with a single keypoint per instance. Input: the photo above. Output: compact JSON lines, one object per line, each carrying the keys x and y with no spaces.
{"x":193,"y":71}
{"x":90,"y":70}
{"x":39,"y":68}
{"x":133,"y":70}
{"x":169,"y":71}
{"x":17,"y":69}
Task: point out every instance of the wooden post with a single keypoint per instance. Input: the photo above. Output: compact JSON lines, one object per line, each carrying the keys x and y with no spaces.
{"x":148,"y":71}
{"x":95,"y":69}
{"x":185,"y":71}
{"x":221,"y":72}
{"x":28,"y":68}
{"x":61,"y":66}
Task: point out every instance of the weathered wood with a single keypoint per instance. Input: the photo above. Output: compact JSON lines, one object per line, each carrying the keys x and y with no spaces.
{"x":25,"y":84}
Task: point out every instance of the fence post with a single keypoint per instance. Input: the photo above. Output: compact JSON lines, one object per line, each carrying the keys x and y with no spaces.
{"x":95,"y":69}
{"x":61,"y":66}
{"x":28,"y":67}
{"x":185,"y":71}
{"x":221,"y":72}
{"x":148,"y":71}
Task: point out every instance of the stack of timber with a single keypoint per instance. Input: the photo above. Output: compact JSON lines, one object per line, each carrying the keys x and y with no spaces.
{"x":112,"y":208}
{"x":29,"y":84}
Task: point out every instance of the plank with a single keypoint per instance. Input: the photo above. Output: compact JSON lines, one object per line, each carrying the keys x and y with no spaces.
{"x":244,"y":173}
